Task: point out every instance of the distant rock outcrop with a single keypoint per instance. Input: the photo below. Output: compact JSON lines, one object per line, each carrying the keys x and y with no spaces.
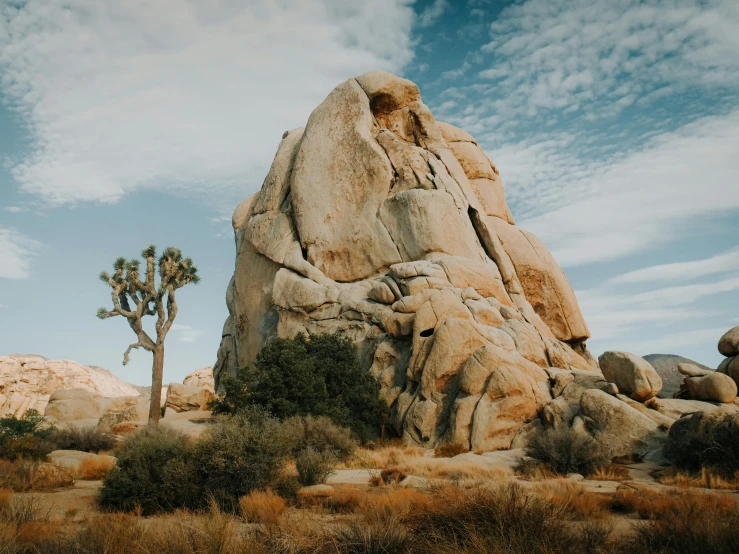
{"x":27,"y":381}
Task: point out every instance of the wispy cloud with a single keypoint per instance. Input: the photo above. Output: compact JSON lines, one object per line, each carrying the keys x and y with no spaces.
{"x":14,"y":209}
{"x":676,"y":342}
{"x":548,"y":55}
{"x":186,"y":333}
{"x":720,"y":263}
{"x":630,"y":203}
{"x":177,"y":94}
{"x":16,"y":252}
{"x":432,"y":13}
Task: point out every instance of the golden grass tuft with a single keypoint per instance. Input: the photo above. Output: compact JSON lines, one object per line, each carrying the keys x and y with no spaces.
{"x":94,"y":469}
{"x":651,"y":505}
{"x":612,"y":472}
{"x":706,"y":479}
{"x":262,"y":507}
{"x":579,"y":503}
{"x":449,"y":450}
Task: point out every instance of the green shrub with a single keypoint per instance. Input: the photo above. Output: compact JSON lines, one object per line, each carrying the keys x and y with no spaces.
{"x":705,"y":440}
{"x":565,"y":451}
{"x":239,"y":454}
{"x":155,"y":472}
{"x":320,"y":376}
{"x":314,"y":467}
{"x":319,"y":433}
{"x":25,"y":437}
{"x":84,"y":439}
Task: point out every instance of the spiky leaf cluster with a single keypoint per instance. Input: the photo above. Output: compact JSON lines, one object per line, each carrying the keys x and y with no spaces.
{"x":136,"y":295}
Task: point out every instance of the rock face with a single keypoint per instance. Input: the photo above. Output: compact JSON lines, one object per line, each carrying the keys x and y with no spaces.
{"x":27,"y":382}
{"x":378,"y":222}
{"x":188,"y":398}
{"x":66,"y":405}
{"x":202,"y":378}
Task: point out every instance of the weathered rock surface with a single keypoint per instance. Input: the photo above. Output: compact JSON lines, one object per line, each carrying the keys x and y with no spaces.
{"x":27,"y":382}
{"x":728,"y":345}
{"x":633,"y":375}
{"x":73,"y":460}
{"x":188,"y":398}
{"x":378,"y":222}
{"x":202,"y":378}
{"x":713,"y":386}
{"x":666,"y":367}
{"x":69,"y":405}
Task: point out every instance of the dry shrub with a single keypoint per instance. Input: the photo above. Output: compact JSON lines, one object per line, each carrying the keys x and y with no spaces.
{"x":5,"y":497}
{"x":444,"y":468}
{"x":262,"y":507}
{"x":706,"y":478}
{"x":693,"y":524}
{"x":380,"y":457}
{"x":565,"y":450}
{"x":449,"y":450}
{"x":315,"y":466}
{"x":85,"y":439}
{"x":392,"y":476}
{"x":533,"y":470}
{"x":393,"y":504}
{"x":95,"y":469}
{"x":345,"y":500}
{"x":500,"y":520}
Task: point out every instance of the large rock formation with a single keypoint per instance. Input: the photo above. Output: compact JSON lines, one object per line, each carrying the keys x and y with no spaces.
{"x":378,"y":222}
{"x":27,"y":382}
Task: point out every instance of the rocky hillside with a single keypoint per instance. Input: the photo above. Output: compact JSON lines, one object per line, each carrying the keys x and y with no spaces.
{"x":27,"y":381}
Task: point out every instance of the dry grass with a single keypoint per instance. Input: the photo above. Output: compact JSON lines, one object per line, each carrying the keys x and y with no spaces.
{"x":706,"y":479}
{"x":28,"y":475}
{"x":577,"y":501}
{"x":651,"y":505}
{"x":612,"y":472}
{"x":94,"y":469}
{"x":383,"y":456}
{"x":449,"y":450}
{"x":262,"y":507}
{"x":5,"y":497}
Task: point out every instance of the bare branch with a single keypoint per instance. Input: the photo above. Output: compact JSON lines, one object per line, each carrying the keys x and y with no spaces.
{"x":139,"y":344}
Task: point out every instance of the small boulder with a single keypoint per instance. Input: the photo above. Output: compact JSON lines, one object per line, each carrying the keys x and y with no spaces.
{"x":692,"y":370}
{"x":715,"y":387}
{"x":50,"y":476}
{"x":634,"y":376}
{"x":73,"y":404}
{"x":619,"y":428}
{"x":109,"y":420}
{"x":73,"y":460}
{"x":728,"y":345}
{"x":187,"y":398}
{"x":381,"y":293}
{"x":666,"y":367}
{"x":202,"y":378}
{"x":127,"y":427}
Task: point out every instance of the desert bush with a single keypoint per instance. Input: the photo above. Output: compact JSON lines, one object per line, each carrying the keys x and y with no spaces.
{"x":84,"y":439}
{"x":95,"y":470}
{"x":320,"y":376}
{"x":705,"y":440}
{"x":356,"y":538}
{"x":262,"y":507}
{"x":566,"y":451}
{"x":155,"y":471}
{"x":25,"y":437}
{"x":239,"y":454}
{"x":692,"y":524}
{"x":314,"y":466}
{"x":319,"y":433}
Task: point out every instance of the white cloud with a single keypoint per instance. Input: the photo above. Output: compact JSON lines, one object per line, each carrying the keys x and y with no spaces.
{"x":551,"y":54}
{"x":14,"y":209}
{"x":432,"y":13}
{"x":16,"y":251}
{"x":186,"y":333}
{"x":720,"y":263}
{"x":187,"y":95}
{"x":635,"y":202}
{"x":676,"y":342}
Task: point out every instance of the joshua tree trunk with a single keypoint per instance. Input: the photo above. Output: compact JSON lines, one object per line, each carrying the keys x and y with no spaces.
{"x":134,"y":299}
{"x":157,"y":374}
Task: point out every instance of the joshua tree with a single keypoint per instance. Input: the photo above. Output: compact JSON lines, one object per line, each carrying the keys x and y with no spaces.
{"x":149,"y":299}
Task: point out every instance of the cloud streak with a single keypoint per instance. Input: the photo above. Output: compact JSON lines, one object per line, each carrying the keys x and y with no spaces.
{"x":720,"y":263}
{"x":16,"y":252}
{"x":179,"y":95}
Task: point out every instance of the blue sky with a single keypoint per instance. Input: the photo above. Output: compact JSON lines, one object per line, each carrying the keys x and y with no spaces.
{"x":614,"y":124}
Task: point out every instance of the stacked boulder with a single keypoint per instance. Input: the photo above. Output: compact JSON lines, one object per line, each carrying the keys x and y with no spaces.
{"x":728,"y":346}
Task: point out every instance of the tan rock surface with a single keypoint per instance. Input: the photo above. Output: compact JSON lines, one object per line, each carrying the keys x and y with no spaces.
{"x":27,"y":382}
{"x":728,"y":345}
{"x":188,"y":398}
{"x":202,"y":378}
